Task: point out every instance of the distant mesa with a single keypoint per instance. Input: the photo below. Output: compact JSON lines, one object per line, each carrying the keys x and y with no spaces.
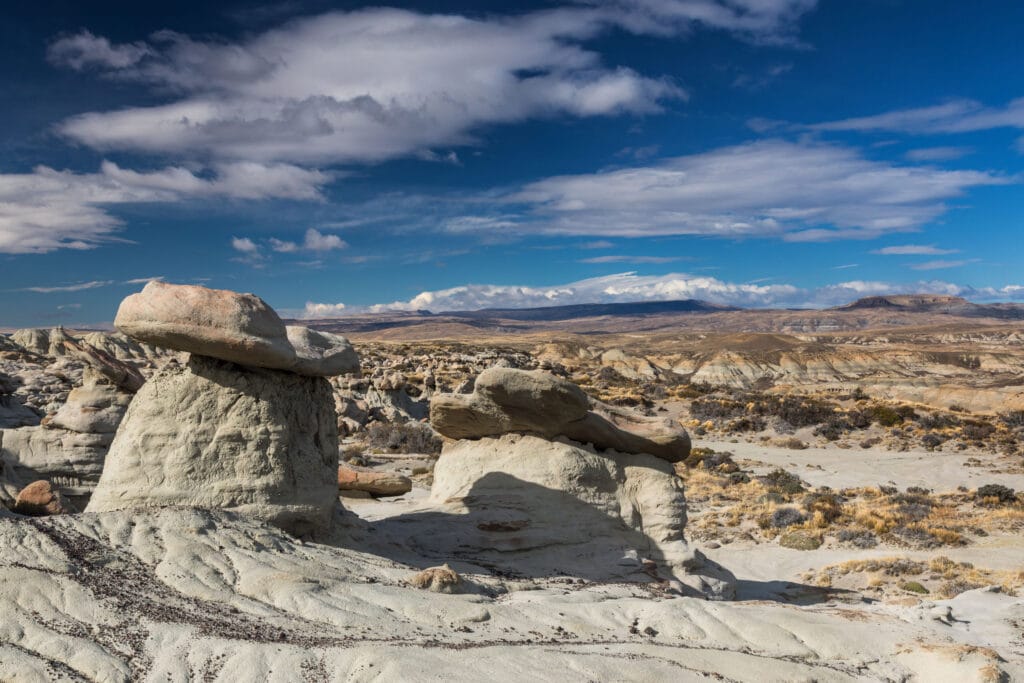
{"x":594,"y":310}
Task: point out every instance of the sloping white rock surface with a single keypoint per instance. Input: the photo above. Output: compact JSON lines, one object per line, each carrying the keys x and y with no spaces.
{"x":189,"y":595}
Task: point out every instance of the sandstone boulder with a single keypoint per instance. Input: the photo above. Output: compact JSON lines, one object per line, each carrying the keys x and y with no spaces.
{"x":374,"y":483}
{"x":213,"y":434}
{"x":40,"y":499}
{"x":321,"y":354}
{"x":506,"y":400}
{"x":240,"y":328}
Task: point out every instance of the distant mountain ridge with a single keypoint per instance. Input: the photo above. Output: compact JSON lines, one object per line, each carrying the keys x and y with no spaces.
{"x":935,"y":303}
{"x":572,"y":311}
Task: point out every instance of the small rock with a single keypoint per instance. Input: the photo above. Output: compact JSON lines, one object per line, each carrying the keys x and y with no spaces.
{"x":376,"y":483}
{"x":40,"y":499}
{"x":441,"y":579}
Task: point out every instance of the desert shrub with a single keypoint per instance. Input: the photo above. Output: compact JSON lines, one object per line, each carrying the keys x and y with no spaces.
{"x":931,"y":440}
{"x":858,"y":538}
{"x":1012,"y":419}
{"x":975,"y":430}
{"x":793,"y":443}
{"x":951,"y":589}
{"x":736,"y":478}
{"x":823,"y":504}
{"x":786,"y":516}
{"x":887,"y":490}
{"x":832,"y":429}
{"x":914,"y":587}
{"x":709,"y":408}
{"x":409,"y":437}
{"x":859,"y":394}
{"x":799,"y":411}
{"x":799,"y":540}
{"x":781,"y":481}
{"x":886,"y":416}
{"x":1002,"y":494}
{"x":751,"y":423}
{"x":937,"y":420}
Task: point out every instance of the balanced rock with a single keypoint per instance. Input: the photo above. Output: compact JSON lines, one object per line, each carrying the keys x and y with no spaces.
{"x":506,"y":400}
{"x":240,"y":328}
{"x":213,"y":434}
{"x":39,"y":499}
{"x":321,"y":354}
{"x":374,"y":483}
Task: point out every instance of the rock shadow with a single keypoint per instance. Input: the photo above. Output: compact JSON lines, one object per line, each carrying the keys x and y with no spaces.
{"x":518,"y":529}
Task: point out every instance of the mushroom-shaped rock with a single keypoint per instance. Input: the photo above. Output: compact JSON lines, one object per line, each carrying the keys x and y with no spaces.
{"x":213,"y":434}
{"x":240,"y":328}
{"x":506,"y":400}
{"x":321,"y":354}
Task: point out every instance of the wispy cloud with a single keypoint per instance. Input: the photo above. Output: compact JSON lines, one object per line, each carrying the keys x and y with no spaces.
{"x":956,"y":116}
{"x":940,"y":264}
{"x":76,"y":287}
{"x":846,"y":266}
{"x":938,"y":153}
{"x":914,"y":250}
{"x":80,"y":286}
{"x":624,"y":258}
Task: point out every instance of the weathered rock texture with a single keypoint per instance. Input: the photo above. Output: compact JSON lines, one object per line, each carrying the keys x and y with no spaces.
{"x":222,"y":324}
{"x":214,"y":434}
{"x":506,"y":400}
{"x":551,"y":506}
{"x":321,"y":354}
{"x":71,"y":460}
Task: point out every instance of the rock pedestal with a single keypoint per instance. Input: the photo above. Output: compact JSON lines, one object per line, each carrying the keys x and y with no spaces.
{"x":214,"y":434}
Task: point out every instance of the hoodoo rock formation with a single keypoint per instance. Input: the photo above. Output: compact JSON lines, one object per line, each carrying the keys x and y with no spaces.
{"x":237,"y":427}
{"x":537,"y":475}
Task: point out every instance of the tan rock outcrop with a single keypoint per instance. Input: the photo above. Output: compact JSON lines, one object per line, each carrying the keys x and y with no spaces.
{"x":506,"y":400}
{"x":240,"y":328}
{"x":374,"y":483}
{"x":321,"y":354}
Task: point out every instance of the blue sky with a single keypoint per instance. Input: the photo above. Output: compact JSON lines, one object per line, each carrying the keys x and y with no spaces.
{"x":337,"y":158}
